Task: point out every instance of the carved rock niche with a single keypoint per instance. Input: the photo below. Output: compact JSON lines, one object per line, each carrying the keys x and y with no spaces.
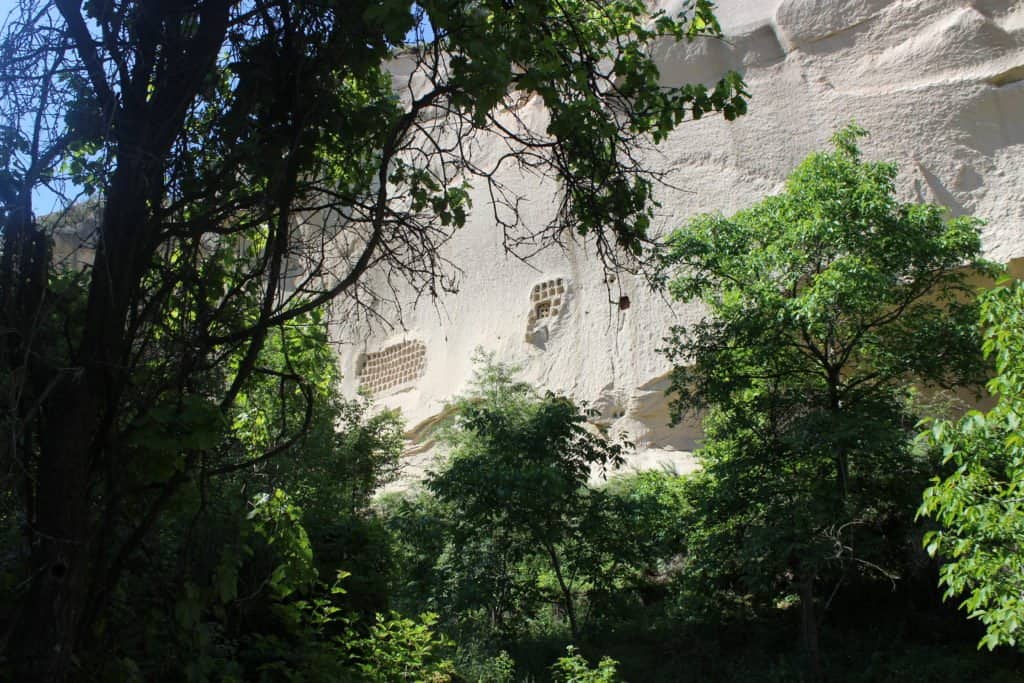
{"x":393,"y":367}
{"x":547,"y":301}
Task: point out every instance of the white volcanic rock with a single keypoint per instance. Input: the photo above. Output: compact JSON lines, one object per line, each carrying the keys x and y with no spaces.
{"x":803,"y":22}
{"x":938,"y":83}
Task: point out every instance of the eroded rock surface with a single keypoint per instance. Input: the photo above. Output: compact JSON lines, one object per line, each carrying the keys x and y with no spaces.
{"x":940,"y":85}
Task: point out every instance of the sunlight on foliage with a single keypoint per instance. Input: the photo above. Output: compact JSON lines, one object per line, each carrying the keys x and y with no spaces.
{"x":979,"y":505}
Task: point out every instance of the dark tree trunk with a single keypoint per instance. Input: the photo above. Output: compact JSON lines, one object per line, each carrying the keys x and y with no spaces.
{"x":85,"y":405}
{"x":809,"y":630}
{"x":56,"y":467}
{"x":841,"y":457}
{"x":72,"y":441}
{"x":48,"y":631}
{"x":77,"y":417}
{"x":570,"y":604}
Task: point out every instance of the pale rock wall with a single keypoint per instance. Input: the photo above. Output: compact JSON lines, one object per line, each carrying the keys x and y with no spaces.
{"x":938,"y":83}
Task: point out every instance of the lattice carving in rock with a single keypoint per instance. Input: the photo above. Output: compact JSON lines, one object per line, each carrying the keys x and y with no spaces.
{"x":547,"y":300}
{"x":393,"y":367}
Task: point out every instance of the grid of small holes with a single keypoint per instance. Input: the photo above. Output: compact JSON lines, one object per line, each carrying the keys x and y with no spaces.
{"x":546,"y":300}
{"x":394,"y":366}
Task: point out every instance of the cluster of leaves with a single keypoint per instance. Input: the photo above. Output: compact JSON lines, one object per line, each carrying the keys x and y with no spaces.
{"x":979,"y":505}
{"x":517,"y":474}
{"x":592,"y":149}
{"x":399,"y":649}
{"x":573,"y":668}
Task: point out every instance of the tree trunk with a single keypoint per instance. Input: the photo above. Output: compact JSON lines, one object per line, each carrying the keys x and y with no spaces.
{"x":570,"y":605}
{"x":809,"y":630}
{"x":73,"y":425}
{"x":841,"y":457}
{"x":45,"y":641}
{"x":83,"y":405}
{"x":55,"y":491}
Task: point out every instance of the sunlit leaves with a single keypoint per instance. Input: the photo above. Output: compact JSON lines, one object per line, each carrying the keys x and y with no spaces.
{"x":279,"y":521}
{"x":834,"y":275}
{"x":979,"y":505}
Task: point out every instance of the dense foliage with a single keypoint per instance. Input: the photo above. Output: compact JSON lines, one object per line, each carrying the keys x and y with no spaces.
{"x":656,"y":589}
{"x":512,"y":543}
{"x":979,"y":503}
{"x":516,"y":476}
{"x":829,"y":307}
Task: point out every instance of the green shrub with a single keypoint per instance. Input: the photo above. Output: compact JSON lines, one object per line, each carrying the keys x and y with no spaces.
{"x":573,"y":668}
{"x":399,"y":649}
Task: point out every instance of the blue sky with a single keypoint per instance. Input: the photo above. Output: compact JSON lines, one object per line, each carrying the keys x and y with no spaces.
{"x":44,"y":201}
{"x":5,"y":8}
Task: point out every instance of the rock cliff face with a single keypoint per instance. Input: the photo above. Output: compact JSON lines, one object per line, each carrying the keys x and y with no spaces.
{"x":938,"y":83}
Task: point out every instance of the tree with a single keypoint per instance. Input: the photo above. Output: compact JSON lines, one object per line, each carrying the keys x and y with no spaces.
{"x":517,"y":476}
{"x":978,"y":503}
{"x":827,"y":303}
{"x":231,"y":579}
{"x":250,"y":161}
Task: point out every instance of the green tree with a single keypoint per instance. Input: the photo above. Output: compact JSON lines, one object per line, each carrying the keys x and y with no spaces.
{"x":979,"y":504}
{"x":516,"y":475}
{"x":250,"y":161}
{"x":826,"y":304}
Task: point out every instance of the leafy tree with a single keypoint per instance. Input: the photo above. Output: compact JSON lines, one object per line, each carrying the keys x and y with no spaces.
{"x":516,"y":476}
{"x":978,"y":504}
{"x":650,"y":509}
{"x":250,"y":161}
{"x":826,"y":303}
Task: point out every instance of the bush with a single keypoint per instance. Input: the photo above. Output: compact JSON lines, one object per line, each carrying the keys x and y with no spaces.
{"x":573,"y":668}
